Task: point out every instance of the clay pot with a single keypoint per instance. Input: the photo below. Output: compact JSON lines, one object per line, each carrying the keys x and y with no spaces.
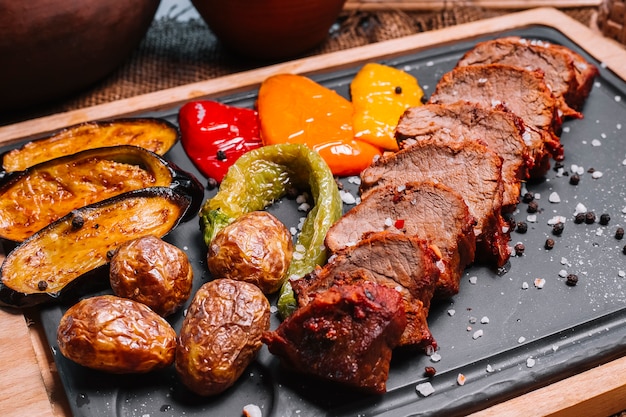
{"x":51,"y":48}
{"x":269,"y":29}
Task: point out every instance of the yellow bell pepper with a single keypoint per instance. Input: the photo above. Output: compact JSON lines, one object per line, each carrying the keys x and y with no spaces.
{"x":380,"y":95}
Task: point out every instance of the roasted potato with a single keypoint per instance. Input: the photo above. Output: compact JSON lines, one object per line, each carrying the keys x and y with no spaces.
{"x":117,"y":335}
{"x":220,"y":335}
{"x":255,"y":248}
{"x":153,"y":272}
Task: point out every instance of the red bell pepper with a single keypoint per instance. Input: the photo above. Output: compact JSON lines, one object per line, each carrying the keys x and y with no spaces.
{"x":215,"y":135}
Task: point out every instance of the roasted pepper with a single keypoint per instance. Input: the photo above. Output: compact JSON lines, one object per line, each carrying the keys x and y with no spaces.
{"x":260,"y":177}
{"x":380,"y":94}
{"x":295,"y":109}
{"x":215,"y":135}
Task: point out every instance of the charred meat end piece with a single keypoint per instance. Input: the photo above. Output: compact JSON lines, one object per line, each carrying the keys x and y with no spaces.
{"x":429,"y":211}
{"x":404,"y":263}
{"x":364,"y":319}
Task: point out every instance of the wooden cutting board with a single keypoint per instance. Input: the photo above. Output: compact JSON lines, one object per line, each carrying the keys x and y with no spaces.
{"x":448,"y":4}
{"x":27,"y":377}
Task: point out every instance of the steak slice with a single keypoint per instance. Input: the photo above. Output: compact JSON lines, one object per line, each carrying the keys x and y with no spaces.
{"x":429,"y":211}
{"x":557,"y":65}
{"x":501,"y":131}
{"x":521,"y":91}
{"x":404,"y":263}
{"x":345,"y":334}
{"x":585,"y":74}
{"x":469,"y":168}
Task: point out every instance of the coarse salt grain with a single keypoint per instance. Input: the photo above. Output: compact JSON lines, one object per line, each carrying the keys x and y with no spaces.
{"x":460,"y":379}
{"x":451,"y":312}
{"x":531,"y":218}
{"x":596,"y":142}
{"x":293,"y":231}
{"x":435,"y":357}
{"x":557,"y":219}
{"x":580,"y":208}
{"x":554,"y":197}
{"x":473,"y":279}
{"x":524,"y":285}
{"x":566,"y":129}
{"x":347,"y":197}
{"x":618,"y":98}
{"x":596,"y":174}
{"x":621,"y":274}
{"x":539,"y":282}
{"x":521,"y":339}
{"x":252,"y":410}
{"x":477,"y":334}
{"x":577,"y":169}
{"x":354,"y":180}
{"x":273,"y":309}
{"x":484,"y":320}
{"x":425,"y":389}
{"x":562,"y":273}
{"x":304,"y":207}
{"x":530,"y":362}
{"x":489,"y":368}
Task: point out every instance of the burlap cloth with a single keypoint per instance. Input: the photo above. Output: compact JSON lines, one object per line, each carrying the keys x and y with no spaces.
{"x":175,"y":52}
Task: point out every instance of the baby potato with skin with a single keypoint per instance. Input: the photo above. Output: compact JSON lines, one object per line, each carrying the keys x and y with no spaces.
{"x":116,"y":335}
{"x":153,"y":272}
{"x":255,"y":248}
{"x":220,"y":335}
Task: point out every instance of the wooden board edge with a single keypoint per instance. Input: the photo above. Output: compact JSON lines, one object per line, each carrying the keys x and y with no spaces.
{"x":415,"y":5}
{"x":610,"y":53}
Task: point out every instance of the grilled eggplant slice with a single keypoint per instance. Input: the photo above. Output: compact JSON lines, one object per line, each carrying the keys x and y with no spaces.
{"x":33,"y":198}
{"x":46,"y":266}
{"x":154,"y":134}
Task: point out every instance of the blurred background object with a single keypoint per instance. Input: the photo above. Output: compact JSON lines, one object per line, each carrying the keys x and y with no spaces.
{"x":52,"y":48}
{"x":269,"y":29}
{"x":612,"y":19}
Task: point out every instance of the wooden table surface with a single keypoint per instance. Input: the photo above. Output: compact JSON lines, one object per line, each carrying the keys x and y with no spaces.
{"x":30,"y":385}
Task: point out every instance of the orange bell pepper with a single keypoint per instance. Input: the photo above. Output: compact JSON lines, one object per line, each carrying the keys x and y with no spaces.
{"x":295,"y":109}
{"x":380,"y":95}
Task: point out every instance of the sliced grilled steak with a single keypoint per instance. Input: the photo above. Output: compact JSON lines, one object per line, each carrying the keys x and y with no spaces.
{"x":405,"y":263}
{"x":557,"y":65}
{"x":365,"y":320}
{"x":521,"y":91}
{"x":432,"y":212}
{"x":501,"y":131}
{"x":585,"y":74}
{"x":470,"y":168}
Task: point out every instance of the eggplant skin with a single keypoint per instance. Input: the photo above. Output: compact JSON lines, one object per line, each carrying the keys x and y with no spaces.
{"x":220,"y":335}
{"x":33,"y":198}
{"x":155,"y":134}
{"x":117,"y":335}
{"x":46,"y":266}
{"x":153,"y":272}
{"x":255,"y":248}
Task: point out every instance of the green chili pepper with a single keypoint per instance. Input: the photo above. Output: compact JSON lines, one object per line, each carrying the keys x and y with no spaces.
{"x":260,"y":177}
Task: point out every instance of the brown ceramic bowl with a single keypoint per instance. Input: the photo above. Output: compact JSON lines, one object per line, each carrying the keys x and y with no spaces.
{"x":51,"y":48}
{"x":269,"y":29}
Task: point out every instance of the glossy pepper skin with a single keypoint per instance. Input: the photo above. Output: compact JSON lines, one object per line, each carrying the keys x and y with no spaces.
{"x":259,"y":178}
{"x":215,"y":135}
{"x":380,"y":95}
{"x":295,"y":109}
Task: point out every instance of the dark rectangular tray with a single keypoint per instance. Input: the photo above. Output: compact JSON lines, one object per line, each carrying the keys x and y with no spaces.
{"x":533,"y":338}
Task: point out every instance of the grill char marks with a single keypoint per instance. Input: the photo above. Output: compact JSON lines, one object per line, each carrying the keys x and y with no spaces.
{"x":520,"y":91}
{"x":501,"y":131}
{"x":405,"y":263}
{"x":469,"y":168}
{"x":429,"y":211}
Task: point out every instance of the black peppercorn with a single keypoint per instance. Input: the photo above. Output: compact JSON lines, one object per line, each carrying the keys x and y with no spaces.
{"x":624,"y":250}
{"x":619,"y":233}
{"x":110,"y":253}
{"x":528,"y":197}
{"x":429,"y":371}
{"x":221,"y":155}
{"x":574,"y":179}
{"x":519,"y":249}
{"x":532,"y":207}
{"x":572,"y":280}
{"x":77,"y":222}
{"x":604,"y":219}
{"x":42,"y":285}
{"x":211,"y":183}
{"x":557,"y":229}
{"x":590,"y":217}
{"x":522,"y":227}
{"x":580,"y":218}
{"x":549,"y":244}
{"x":558,"y":165}
{"x":398,"y":90}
